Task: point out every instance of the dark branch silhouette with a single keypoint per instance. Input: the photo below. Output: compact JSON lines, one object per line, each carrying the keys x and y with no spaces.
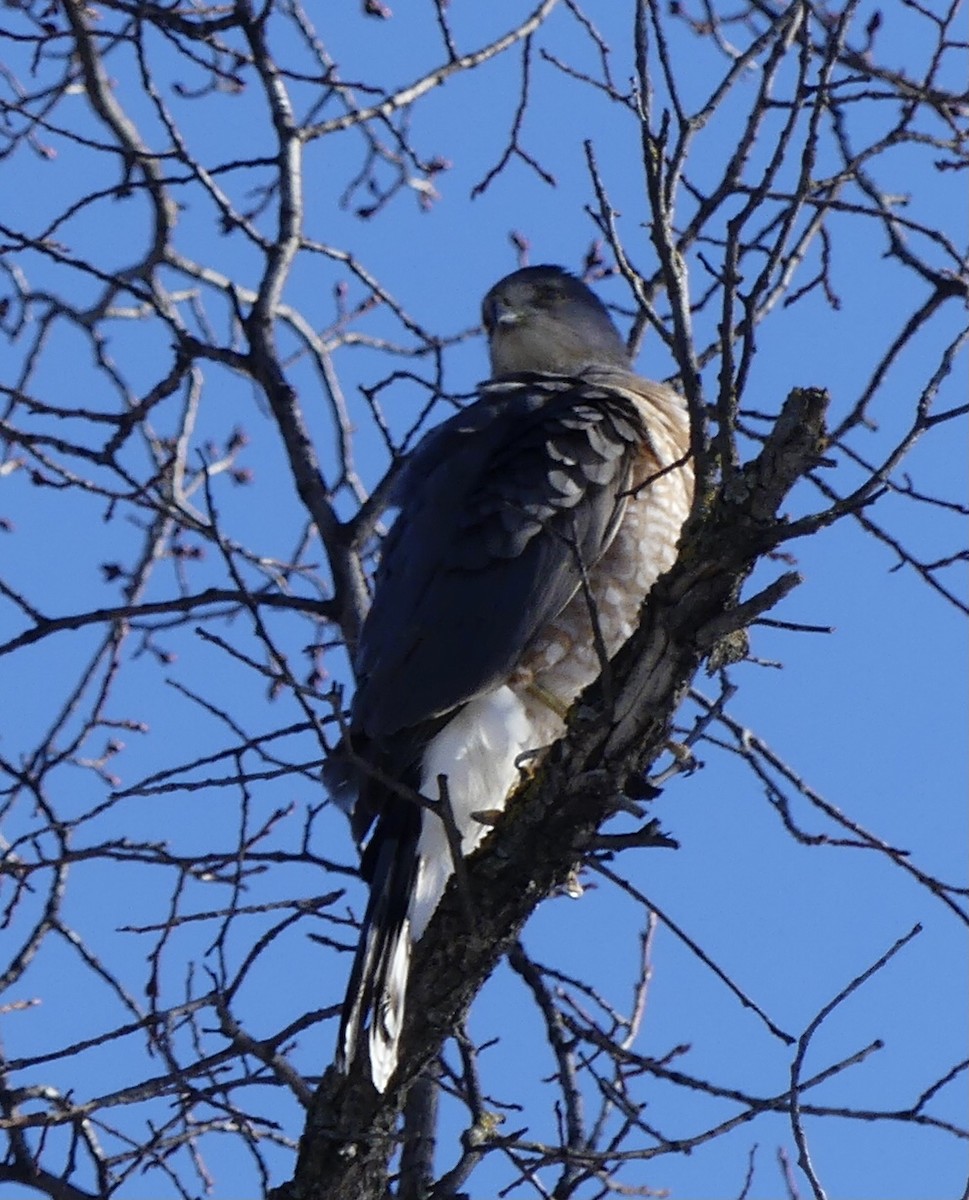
{"x":228,"y":316}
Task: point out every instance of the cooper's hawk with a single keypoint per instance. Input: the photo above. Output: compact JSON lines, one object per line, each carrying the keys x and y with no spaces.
{"x":531,"y":526}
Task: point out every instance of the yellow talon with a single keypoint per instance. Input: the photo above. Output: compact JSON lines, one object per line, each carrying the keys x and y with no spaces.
{"x":537,"y":692}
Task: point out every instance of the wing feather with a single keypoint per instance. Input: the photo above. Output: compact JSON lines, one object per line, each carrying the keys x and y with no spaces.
{"x":499,"y":507}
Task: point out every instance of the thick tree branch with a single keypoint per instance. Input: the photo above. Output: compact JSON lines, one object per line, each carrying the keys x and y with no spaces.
{"x":349,"y":1135}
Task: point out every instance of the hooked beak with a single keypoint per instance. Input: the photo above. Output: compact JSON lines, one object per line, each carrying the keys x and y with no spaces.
{"x":500,"y":314}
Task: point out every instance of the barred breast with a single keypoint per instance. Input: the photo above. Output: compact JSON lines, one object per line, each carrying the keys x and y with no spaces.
{"x":564,"y":658}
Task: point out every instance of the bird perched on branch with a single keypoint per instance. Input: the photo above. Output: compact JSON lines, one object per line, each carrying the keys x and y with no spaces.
{"x":532,"y":524}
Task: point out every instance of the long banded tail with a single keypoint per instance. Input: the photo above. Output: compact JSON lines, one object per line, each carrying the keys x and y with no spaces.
{"x":378,"y":978}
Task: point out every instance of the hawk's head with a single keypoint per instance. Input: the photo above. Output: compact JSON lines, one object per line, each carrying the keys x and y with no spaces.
{"x":544,"y":319}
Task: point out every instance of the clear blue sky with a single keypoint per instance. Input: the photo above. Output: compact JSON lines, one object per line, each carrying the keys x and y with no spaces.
{"x":873,"y":715}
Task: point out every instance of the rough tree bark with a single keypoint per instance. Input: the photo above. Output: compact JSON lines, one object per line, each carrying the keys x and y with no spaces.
{"x":617,"y":729}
